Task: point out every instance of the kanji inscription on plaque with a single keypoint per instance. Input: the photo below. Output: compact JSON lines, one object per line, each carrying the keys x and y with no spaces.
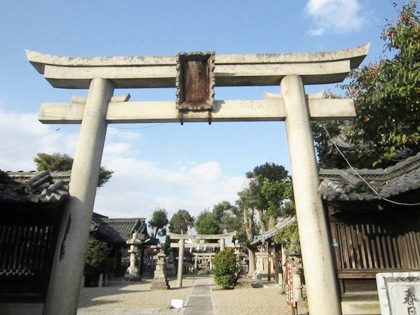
{"x":195,"y":81}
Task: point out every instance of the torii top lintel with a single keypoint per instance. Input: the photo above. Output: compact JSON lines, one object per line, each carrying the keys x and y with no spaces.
{"x":230,"y":70}
{"x":177,"y":236}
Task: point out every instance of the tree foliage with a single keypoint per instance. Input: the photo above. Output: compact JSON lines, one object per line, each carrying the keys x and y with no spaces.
{"x":227,"y":216}
{"x":270,"y":193}
{"x":206,"y":223}
{"x":181,"y":221}
{"x":158,"y":222}
{"x":267,"y":197}
{"x":53,"y":162}
{"x":329,"y":134}
{"x":58,"y":162}
{"x":387,"y":95}
{"x":288,"y":236}
{"x":224,"y":218}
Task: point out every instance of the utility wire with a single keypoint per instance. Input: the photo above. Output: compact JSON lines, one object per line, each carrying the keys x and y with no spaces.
{"x":358,"y":175}
{"x":139,"y":128}
{"x":32,"y":140}
{"x":59,"y":128}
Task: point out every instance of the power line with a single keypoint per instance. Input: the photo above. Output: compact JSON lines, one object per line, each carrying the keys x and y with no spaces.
{"x":59,"y":128}
{"x":32,"y":140}
{"x":358,"y":175}
{"x":139,"y":128}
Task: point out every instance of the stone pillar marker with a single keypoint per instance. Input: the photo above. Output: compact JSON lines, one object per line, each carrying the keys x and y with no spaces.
{"x":314,"y":240}
{"x":66,"y":275}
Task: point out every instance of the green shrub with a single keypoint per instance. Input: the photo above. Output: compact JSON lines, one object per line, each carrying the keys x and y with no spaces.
{"x":96,"y":255}
{"x":226,"y":268}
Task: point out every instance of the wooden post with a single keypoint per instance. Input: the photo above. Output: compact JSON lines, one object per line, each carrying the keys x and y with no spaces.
{"x":276,"y":264}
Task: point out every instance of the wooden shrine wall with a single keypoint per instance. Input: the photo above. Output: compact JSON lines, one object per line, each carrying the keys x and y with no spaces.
{"x":27,"y":246}
{"x":366,"y":244}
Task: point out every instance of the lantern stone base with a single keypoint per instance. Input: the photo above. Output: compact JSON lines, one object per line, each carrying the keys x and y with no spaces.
{"x":132,"y":274}
{"x":160,"y":284}
{"x":160,"y":280}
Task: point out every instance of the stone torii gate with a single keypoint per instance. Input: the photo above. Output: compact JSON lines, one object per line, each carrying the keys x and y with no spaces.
{"x":181,"y":245}
{"x":101,"y":75}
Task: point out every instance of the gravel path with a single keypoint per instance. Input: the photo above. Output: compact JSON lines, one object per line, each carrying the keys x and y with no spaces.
{"x":121,"y":297}
{"x":245,"y":300}
{"x":132,"y":296}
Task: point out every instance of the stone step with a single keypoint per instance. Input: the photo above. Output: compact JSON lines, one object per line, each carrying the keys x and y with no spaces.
{"x":360,"y":307}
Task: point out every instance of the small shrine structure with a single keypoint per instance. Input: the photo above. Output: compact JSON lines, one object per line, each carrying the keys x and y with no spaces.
{"x":117,"y":232}
{"x":374,"y":220}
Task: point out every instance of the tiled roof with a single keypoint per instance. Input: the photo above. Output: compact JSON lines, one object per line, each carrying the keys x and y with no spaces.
{"x":120,"y":229}
{"x":32,"y":187}
{"x":52,"y":187}
{"x":345,"y":185}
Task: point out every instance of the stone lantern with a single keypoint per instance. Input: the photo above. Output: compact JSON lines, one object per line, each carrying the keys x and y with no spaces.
{"x":160,"y":280}
{"x":132,"y":273}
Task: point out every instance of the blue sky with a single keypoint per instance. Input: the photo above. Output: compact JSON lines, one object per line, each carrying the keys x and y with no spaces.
{"x":193,"y":166}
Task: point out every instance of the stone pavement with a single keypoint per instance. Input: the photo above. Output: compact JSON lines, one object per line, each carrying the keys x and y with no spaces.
{"x":199,"y":301}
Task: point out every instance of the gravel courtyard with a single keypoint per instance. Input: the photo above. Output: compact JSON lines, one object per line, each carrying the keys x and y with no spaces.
{"x":121,"y":297}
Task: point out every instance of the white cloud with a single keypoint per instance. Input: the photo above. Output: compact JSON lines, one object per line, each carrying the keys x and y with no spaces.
{"x":207,"y":172}
{"x":123,"y":134}
{"x":116,"y":148}
{"x":138,"y":185}
{"x":336,"y":16}
{"x":23,"y":136}
{"x":119,"y":142}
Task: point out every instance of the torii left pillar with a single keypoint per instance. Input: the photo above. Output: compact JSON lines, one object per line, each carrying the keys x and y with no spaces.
{"x":68,"y":264}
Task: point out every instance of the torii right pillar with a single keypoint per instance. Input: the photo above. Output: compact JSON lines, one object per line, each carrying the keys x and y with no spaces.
{"x":314,"y":240}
